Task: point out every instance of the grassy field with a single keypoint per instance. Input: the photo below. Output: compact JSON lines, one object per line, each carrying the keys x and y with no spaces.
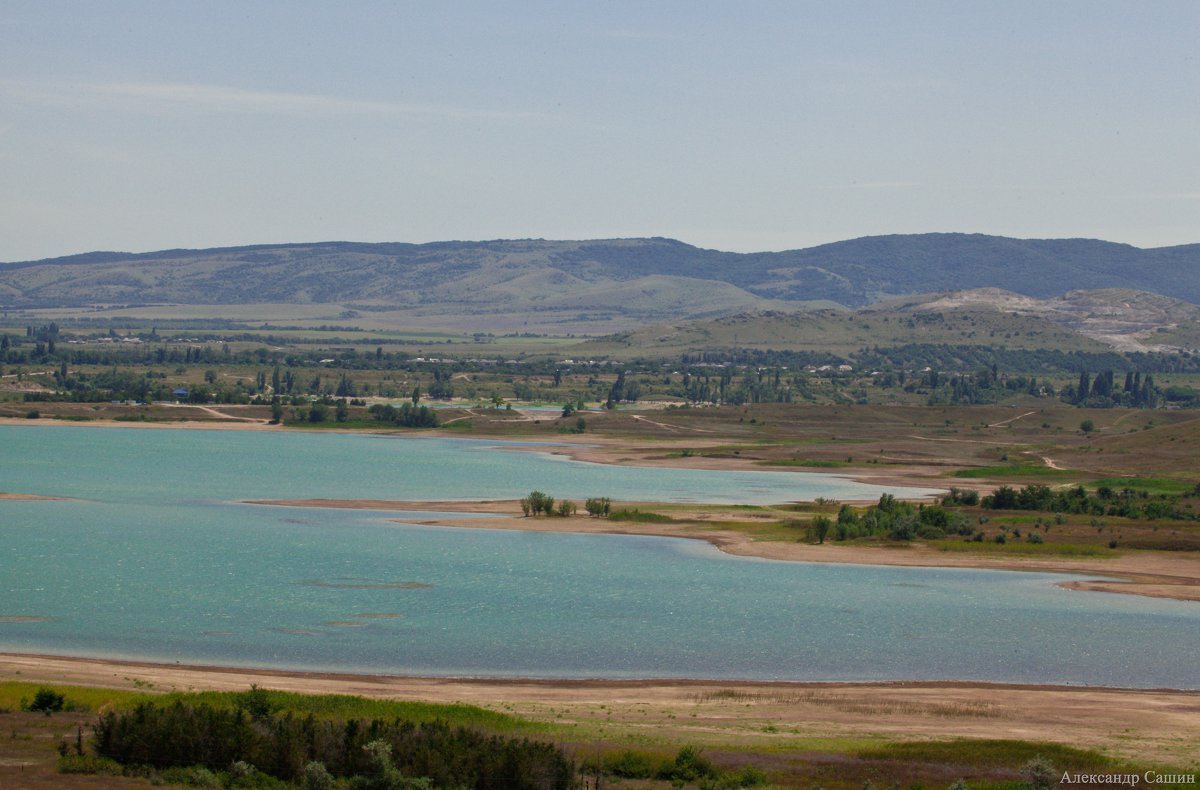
{"x":15,"y":696}
{"x":627,"y":743}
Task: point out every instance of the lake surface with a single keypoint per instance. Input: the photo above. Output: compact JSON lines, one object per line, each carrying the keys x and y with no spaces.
{"x":155,"y":558}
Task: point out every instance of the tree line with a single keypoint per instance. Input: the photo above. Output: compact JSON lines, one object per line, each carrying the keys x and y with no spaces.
{"x":371,"y":754}
{"x":1127,"y":502}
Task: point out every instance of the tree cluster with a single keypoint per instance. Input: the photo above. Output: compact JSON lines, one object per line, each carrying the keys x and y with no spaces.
{"x":538,"y":503}
{"x":899,"y":520}
{"x":406,"y":414}
{"x":1128,"y":502}
{"x":371,"y":754}
{"x":598,"y":506}
{"x":1102,"y":391}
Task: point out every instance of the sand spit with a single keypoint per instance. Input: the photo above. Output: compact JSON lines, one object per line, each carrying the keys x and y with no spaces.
{"x":1150,"y":573}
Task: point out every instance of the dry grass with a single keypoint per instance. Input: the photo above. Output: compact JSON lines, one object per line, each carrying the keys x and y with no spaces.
{"x":854,"y":704}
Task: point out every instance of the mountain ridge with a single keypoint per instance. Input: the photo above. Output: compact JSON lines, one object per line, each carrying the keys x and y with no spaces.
{"x":515,"y":274}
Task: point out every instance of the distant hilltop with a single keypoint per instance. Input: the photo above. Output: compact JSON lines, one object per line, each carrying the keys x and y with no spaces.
{"x":641,"y":277}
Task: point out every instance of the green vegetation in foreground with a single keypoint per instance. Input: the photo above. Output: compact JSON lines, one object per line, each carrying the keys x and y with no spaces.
{"x":17,"y":695}
{"x":1015,"y":470}
{"x":1031,"y":759}
{"x":607,"y":754}
{"x":979,"y":765}
{"x":389,"y":754}
{"x":688,"y":765}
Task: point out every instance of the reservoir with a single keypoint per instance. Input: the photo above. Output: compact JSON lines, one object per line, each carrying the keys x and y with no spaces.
{"x":153,"y":556}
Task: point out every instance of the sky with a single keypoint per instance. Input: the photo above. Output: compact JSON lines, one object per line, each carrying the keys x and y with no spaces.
{"x":739,"y":126}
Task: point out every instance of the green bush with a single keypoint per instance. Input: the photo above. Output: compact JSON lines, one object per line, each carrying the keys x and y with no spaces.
{"x":48,"y":701}
{"x":317,"y":777}
{"x":929,"y":532}
{"x":686,"y":767}
{"x":632,"y":765}
{"x":88,"y":764}
{"x":958,"y":496}
{"x":256,"y":702}
{"x":638,"y":516}
{"x":748,"y":776}
{"x":689,"y":765}
{"x":820,"y":526}
{"x":598,"y":506}
{"x":1040,"y":774}
{"x":537,"y":503}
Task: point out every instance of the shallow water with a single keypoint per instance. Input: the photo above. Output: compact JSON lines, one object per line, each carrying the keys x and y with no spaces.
{"x":156,"y":465}
{"x":157,"y":559}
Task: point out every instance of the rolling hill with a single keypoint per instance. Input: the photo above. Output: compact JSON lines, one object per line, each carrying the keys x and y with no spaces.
{"x":1090,"y":322}
{"x":843,"y":332}
{"x":649,"y":279}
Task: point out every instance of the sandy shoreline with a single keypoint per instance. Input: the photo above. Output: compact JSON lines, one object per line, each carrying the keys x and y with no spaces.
{"x":1143,"y":723}
{"x":1152,"y":574}
{"x":233,"y":424}
{"x":1146,"y":573}
{"x":603,"y":450}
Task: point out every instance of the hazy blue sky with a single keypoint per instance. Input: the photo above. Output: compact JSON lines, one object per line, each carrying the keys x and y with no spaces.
{"x":740,"y":125}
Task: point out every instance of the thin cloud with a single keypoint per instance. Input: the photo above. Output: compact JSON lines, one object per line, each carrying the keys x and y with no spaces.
{"x":1162,"y":196}
{"x":225,"y":98}
{"x":853,"y":78}
{"x":644,"y":35}
{"x":882,"y":184}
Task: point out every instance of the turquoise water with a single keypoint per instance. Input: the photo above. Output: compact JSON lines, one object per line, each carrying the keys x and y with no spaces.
{"x":151,"y":465}
{"x":156,"y":558}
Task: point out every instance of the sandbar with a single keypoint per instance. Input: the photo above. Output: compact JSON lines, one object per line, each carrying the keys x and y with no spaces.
{"x":1155,"y":574}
